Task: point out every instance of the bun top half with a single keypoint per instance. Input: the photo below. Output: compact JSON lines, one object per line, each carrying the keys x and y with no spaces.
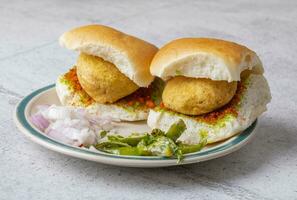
{"x":204,"y":58}
{"x":131,"y":55}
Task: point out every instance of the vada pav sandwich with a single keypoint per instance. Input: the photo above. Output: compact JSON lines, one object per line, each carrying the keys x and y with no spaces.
{"x":111,"y":76}
{"x":216,"y":87}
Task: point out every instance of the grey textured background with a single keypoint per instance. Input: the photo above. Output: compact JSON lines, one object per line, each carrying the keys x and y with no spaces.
{"x":30,"y":58}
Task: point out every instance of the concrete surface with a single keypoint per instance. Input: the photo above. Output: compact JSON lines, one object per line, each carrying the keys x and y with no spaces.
{"x":30,"y":58}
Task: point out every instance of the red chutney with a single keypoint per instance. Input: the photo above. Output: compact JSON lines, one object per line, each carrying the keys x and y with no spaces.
{"x":142,"y":97}
{"x":71,"y":77}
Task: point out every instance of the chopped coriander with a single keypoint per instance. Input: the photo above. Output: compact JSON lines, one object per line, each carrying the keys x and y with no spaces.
{"x":178,"y":72}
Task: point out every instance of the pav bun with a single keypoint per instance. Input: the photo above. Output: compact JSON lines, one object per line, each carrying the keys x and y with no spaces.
{"x":204,"y":58}
{"x":132,"y":56}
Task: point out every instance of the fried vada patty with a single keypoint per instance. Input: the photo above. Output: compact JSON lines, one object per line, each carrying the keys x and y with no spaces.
{"x":102,"y":80}
{"x":196,"y":96}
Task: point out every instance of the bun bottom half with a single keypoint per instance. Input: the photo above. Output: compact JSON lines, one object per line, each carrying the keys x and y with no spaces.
{"x":69,"y":97}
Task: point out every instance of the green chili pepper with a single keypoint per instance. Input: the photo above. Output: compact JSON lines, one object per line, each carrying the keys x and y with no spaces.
{"x":195,"y":147}
{"x":143,"y":145}
{"x":110,"y":144}
{"x":190,"y":148}
{"x":132,"y":151}
{"x":132,"y":140}
{"x":176,"y":130}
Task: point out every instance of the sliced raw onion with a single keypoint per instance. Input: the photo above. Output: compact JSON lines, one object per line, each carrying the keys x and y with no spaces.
{"x":39,"y":121}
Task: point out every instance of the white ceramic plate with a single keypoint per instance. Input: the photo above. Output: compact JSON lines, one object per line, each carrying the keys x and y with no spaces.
{"x":47,"y":95}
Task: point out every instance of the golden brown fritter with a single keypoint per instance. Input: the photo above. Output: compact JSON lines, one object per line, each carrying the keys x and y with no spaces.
{"x":196,"y":96}
{"x":102,"y":80}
